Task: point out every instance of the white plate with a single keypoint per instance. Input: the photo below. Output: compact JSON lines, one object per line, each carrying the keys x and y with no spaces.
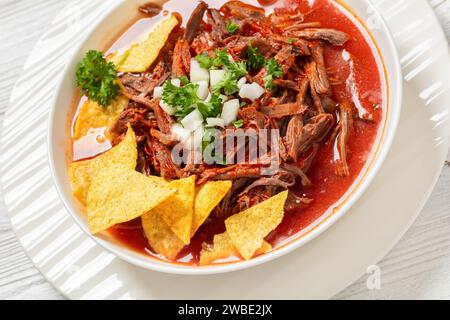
{"x":119,"y":19}
{"x":80,"y":269}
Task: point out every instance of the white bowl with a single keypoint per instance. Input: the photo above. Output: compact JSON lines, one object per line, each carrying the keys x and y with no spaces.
{"x":116,"y":21}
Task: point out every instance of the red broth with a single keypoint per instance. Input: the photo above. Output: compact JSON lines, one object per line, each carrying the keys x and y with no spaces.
{"x":354,"y":65}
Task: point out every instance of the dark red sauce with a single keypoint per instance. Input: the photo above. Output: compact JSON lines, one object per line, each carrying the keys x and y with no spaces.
{"x":355,"y":66}
{"x":267,"y":2}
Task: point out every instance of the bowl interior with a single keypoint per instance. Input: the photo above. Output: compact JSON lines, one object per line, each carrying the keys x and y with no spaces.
{"x":113,"y":25}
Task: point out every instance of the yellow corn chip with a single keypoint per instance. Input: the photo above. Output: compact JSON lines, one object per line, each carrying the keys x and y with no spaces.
{"x":224,"y":248}
{"x":142,"y":55}
{"x":117,"y":58}
{"x":94,"y":116}
{"x":207,"y":197}
{"x":248,"y":229}
{"x":177,"y":211}
{"x":119,"y":194}
{"x":266,"y":247}
{"x":81,"y":173}
{"x":160,"y":237}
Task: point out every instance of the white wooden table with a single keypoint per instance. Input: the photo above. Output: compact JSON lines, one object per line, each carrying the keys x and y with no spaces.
{"x":417,"y":268}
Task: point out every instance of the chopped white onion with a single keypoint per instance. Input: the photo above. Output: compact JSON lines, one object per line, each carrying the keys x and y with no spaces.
{"x":241,"y":82}
{"x":230,"y":111}
{"x":198,"y":73}
{"x":224,"y":98}
{"x":167,"y":108}
{"x":176,"y":82}
{"x":203,"y":90}
{"x":180,"y":133}
{"x":208,"y":98}
{"x":192,"y":121}
{"x":216,"y":76}
{"x":215,"y":122}
{"x":157,"y":92}
{"x":251,"y":91}
{"x":194,"y":141}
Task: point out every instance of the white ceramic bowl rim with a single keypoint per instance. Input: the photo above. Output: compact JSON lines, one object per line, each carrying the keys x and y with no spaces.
{"x":394,"y":94}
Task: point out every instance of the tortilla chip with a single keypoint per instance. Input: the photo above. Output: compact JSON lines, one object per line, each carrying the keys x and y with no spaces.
{"x":94,"y":116}
{"x":160,"y":237}
{"x":248,"y":229}
{"x":207,"y":197}
{"x":81,"y":173}
{"x":142,"y":55}
{"x":177,"y":211}
{"x":117,"y":58}
{"x":266,"y":247}
{"x":119,"y":194}
{"x":224,"y":248}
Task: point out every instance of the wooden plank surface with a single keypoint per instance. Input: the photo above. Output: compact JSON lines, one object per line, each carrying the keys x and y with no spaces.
{"x":417,"y":268}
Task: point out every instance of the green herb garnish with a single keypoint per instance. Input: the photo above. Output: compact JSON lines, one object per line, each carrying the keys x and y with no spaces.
{"x":184,"y":80}
{"x":219,"y":59}
{"x":273,"y":68}
{"x":273,"y":71}
{"x":211,"y":109}
{"x":98,"y":78}
{"x":268,"y":83}
{"x":183,"y":99}
{"x":235,"y":70}
{"x":232,"y":28}
{"x":204,"y":60}
{"x":292,"y":40}
{"x":222,"y":58}
{"x":255,"y":59}
{"x":229,"y":84}
{"x":238,"y":123}
{"x":238,"y":69}
{"x":207,"y":139}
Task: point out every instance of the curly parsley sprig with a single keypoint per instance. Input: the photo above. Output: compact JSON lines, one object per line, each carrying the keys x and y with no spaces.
{"x":211,"y":109}
{"x":219,"y":59}
{"x":97,"y":78}
{"x":183,"y":98}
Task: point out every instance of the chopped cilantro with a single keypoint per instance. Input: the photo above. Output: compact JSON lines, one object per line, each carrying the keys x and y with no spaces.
{"x":268,"y":83}
{"x":183,"y":99}
{"x":273,"y":71}
{"x":255,"y":59}
{"x":273,"y":68}
{"x":235,"y":70}
{"x":184,"y":80}
{"x":228,"y":84}
{"x":204,"y":60}
{"x":207,"y":138}
{"x":222,"y":58}
{"x":238,"y":69}
{"x":291,"y":40}
{"x":232,"y":28}
{"x":212,"y":108}
{"x":238,"y":123}
{"x":219,"y":59}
